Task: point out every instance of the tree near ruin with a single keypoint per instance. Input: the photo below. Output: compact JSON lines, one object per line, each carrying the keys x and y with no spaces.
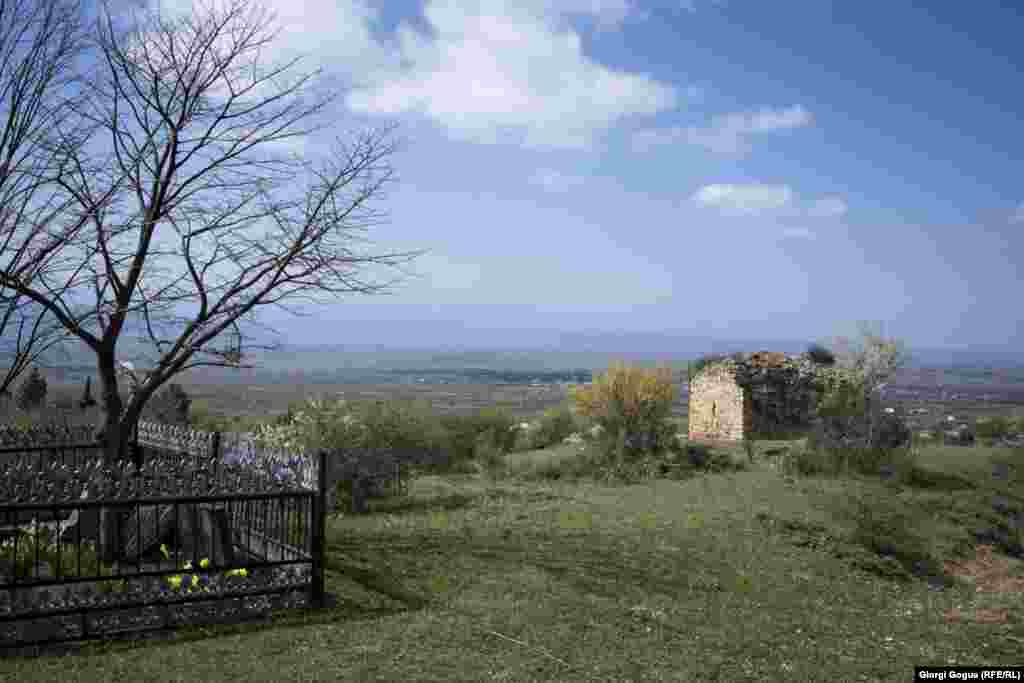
{"x":39,"y":43}
{"x":181,"y":218}
{"x":873,"y":360}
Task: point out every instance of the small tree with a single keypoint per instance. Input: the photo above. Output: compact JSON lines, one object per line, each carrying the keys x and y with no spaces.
{"x":87,"y":400}
{"x":32,"y":393}
{"x":848,"y":400}
{"x":631,"y":404}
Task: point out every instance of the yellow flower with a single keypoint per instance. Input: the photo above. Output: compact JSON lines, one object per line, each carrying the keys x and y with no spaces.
{"x":175,"y":581}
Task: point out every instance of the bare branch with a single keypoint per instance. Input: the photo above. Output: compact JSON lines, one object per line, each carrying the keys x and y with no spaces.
{"x":177,"y":210}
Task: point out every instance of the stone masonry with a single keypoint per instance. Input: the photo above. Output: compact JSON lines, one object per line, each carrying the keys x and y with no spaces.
{"x":719,"y":408}
{"x":752,"y":394}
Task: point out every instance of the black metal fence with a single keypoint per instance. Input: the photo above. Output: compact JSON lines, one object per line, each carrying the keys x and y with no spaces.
{"x":56,"y":587}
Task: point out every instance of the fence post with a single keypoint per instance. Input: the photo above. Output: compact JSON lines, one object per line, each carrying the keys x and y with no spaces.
{"x":216,"y":455}
{"x":319,"y":510}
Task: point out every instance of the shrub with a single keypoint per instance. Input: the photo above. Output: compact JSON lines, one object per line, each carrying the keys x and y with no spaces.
{"x":319,"y":425}
{"x":202,"y":419}
{"x":994,"y":428}
{"x":703,"y":457}
{"x":554,"y":426}
{"x":816,"y":459}
{"x":490,"y":456}
{"x":465,"y":430}
{"x":890,"y":432}
{"x":170,"y":406}
{"x":32,"y":392}
{"x":632,"y":405}
{"x":408,"y":430}
{"x":698,"y":455}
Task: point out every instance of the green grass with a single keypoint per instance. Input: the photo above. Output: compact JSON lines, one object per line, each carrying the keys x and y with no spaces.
{"x":717,"y":577}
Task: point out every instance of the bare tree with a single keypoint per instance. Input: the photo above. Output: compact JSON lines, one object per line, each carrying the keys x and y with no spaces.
{"x":183,"y":227}
{"x":27,"y":340}
{"x":39,"y":43}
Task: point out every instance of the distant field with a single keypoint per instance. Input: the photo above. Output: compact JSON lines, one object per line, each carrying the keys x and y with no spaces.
{"x":526,"y":401}
{"x":521,"y":401}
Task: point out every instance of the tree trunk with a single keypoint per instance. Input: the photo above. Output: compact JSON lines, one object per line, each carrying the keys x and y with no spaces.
{"x":115,"y":447}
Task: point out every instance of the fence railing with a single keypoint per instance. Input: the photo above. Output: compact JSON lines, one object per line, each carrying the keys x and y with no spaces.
{"x":374,"y":471}
{"x":228,"y":515}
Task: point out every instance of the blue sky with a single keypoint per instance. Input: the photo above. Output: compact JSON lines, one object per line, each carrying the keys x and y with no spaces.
{"x":723,"y":168}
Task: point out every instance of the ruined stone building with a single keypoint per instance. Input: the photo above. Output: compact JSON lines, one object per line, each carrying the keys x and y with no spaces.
{"x":752,"y":395}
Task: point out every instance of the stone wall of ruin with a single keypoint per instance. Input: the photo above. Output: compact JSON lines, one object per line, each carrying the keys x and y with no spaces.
{"x":753,"y":395}
{"x":719,"y":408}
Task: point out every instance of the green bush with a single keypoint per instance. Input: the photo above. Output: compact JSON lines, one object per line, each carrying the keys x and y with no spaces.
{"x":553,"y":426}
{"x":408,"y":430}
{"x":465,"y":430}
{"x":995,"y":428}
{"x":815,"y":460}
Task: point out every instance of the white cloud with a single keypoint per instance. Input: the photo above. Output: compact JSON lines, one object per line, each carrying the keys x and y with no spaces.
{"x":334,"y":33}
{"x":490,"y":72}
{"x":554,"y":181}
{"x":827,"y":207}
{"x":1018,"y":215}
{"x":494,"y":74}
{"x":758,"y":198}
{"x":744,"y":199}
{"x":730,"y":133}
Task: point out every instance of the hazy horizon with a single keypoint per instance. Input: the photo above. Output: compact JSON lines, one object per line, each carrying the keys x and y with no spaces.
{"x":563,"y":350}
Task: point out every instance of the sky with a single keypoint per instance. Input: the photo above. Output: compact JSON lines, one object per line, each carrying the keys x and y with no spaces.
{"x":712,"y":168}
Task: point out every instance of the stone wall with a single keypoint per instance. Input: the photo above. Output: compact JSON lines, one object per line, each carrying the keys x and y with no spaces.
{"x":720,"y":409}
{"x":753,"y":394}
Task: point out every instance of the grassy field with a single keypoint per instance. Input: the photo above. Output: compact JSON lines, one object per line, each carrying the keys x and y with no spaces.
{"x":716,"y":577}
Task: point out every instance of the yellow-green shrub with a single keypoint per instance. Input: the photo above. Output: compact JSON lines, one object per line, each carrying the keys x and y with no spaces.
{"x":632,"y":405}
